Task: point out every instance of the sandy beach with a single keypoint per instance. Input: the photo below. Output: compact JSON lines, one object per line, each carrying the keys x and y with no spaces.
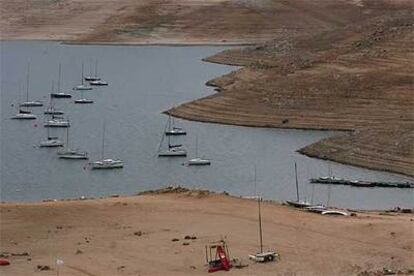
{"x":134,"y":236}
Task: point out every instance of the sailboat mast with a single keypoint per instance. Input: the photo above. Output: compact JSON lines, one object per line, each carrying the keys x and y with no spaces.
{"x":103,"y":142}
{"x":260,"y":225}
{"x":60,"y":76}
{"x":96,"y":68}
{"x":196,"y":146}
{"x":297,"y":185}
{"x":27,"y":81}
{"x":255,"y":183}
{"x":82,"y":75}
{"x":67,"y":138}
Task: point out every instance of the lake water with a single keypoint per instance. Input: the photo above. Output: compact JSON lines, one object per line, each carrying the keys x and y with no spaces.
{"x":144,"y":81}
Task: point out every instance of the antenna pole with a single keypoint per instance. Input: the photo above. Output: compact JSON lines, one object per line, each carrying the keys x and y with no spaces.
{"x":297,"y":185}
{"x":260,"y":225}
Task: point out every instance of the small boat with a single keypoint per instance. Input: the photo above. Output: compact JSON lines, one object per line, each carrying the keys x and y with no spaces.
{"x":57,"y":122}
{"x":298,"y":203}
{"x":106,"y":163}
{"x":72,"y":154}
{"x":28,"y":102}
{"x":173,"y":130}
{"x":82,"y":86}
{"x":93,"y":77}
{"x":198,"y":161}
{"x":98,"y":83}
{"x":51,"y":142}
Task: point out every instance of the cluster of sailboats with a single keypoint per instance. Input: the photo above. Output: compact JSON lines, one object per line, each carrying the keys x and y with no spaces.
{"x":178,"y":150}
{"x":55,"y":119}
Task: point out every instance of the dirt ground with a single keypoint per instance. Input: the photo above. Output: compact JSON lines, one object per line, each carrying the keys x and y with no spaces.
{"x":133,"y":236}
{"x":340,"y":64}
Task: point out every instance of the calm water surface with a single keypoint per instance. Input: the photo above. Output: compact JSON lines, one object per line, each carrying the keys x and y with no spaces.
{"x":144,"y":81}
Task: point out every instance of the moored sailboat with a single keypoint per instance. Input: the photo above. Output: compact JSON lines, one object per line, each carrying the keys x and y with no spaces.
{"x":29,"y":103}
{"x":298,"y":203}
{"x":56,"y":121}
{"x":59,"y":93}
{"x":198,"y":161}
{"x":82,"y":86}
{"x":72,"y":154}
{"x":106,"y":163}
{"x":172,"y":129}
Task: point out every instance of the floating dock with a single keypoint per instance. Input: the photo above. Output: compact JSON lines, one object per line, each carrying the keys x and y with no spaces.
{"x":359,"y":183}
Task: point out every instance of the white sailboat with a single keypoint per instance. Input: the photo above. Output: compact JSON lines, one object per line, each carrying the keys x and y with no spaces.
{"x":198,"y":161}
{"x":51,"y":110}
{"x":28,"y":102}
{"x":72,"y":154}
{"x":82,"y":86}
{"x":83,"y":100}
{"x":56,"y":121}
{"x":59,"y":93}
{"x":172,"y":129}
{"x":106,"y":163}
{"x":51,"y":141}
{"x":172,"y":150}
{"x":93,"y":77}
{"x":23,"y":114}
{"x":262,"y":256}
{"x":298,"y":203}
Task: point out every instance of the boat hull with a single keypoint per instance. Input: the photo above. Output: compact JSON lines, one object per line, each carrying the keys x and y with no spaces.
{"x":73,"y":157}
{"x":31,"y":104}
{"x":83,"y":101}
{"x":24,"y":117}
{"x":51,"y":145}
{"x":107,"y":167}
{"x":53,"y":112}
{"x":56,"y":125}
{"x":199,"y":163}
{"x":298,"y":204}
{"x":82,"y":88}
{"x":172,"y":154}
{"x":175,"y":133}
{"x":98,"y":83}
{"x":59,"y":96}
